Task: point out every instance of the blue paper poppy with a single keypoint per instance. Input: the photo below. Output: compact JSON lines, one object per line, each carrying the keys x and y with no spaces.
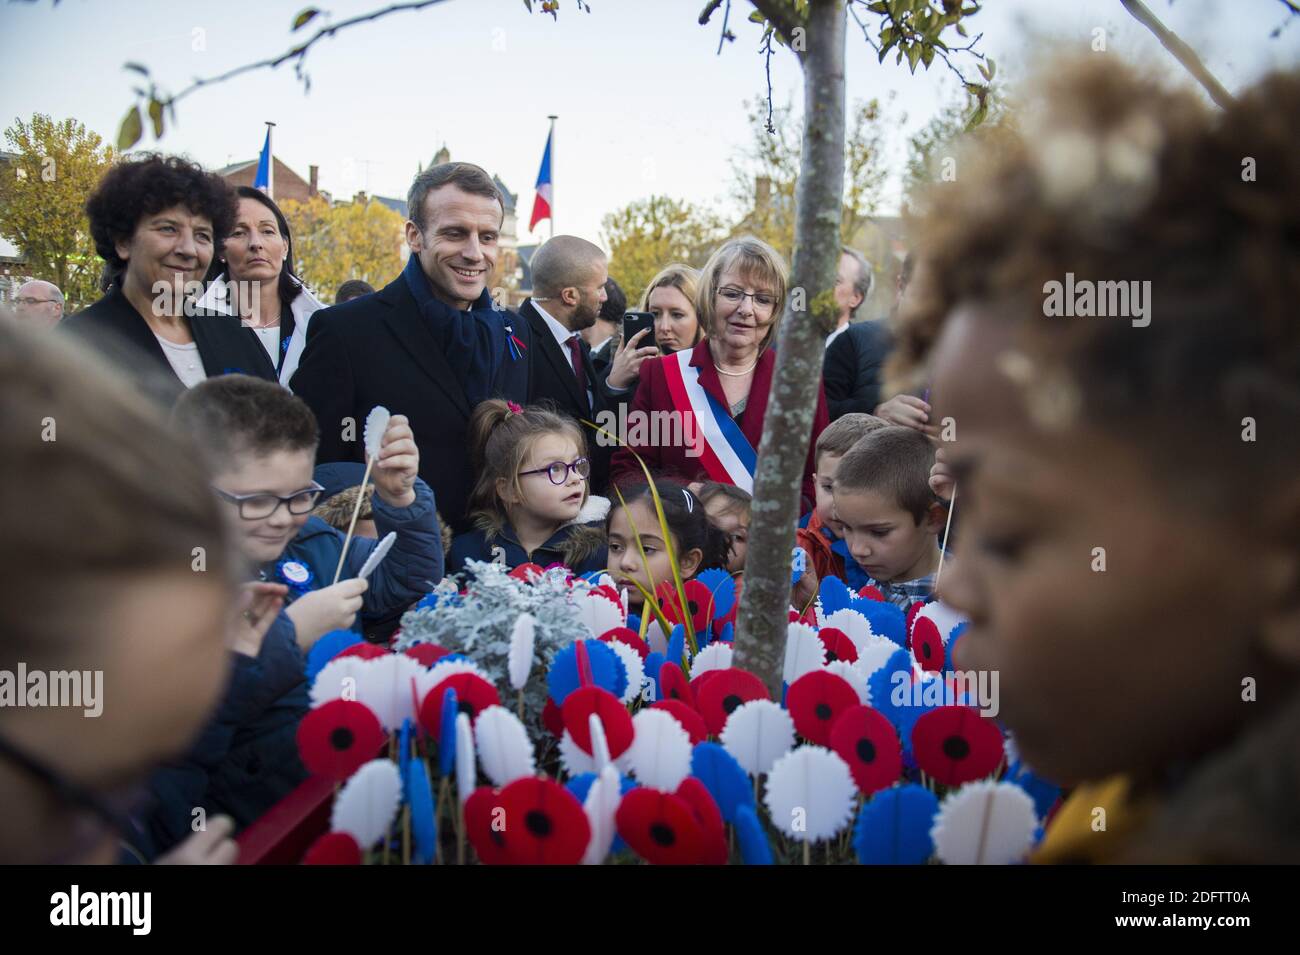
{"x":653,"y":663}
{"x":885,"y":683}
{"x":1043,"y":793}
{"x":607,"y":671}
{"x":677,"y":646}
{"x":723,"y":588}
{"x":894,"y":827}
{"x":957,"y":633}
{"x":404,"y":745}
{"x":447,"y":733}
{"x":754,"y":847}
{"x":728,"y":633}
{"x":835,"y":595}
{"x":885,"y":619}
{"x":726,"y":782}
{"x":327,"y":648}
{"x":424,"y":816}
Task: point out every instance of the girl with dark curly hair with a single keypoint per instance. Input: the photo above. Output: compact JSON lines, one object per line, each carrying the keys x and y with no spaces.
{"x":156,"y":221}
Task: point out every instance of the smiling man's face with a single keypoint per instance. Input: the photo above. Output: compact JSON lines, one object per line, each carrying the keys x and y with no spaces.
{"x":458,"y":245}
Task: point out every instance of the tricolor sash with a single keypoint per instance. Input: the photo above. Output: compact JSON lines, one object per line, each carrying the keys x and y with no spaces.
{"x":724,"y":451}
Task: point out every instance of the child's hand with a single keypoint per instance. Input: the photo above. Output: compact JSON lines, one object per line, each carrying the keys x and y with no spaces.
{"x":908,"y":411}
{"x":398,"y":465}
{"x":941,"y":480}
{"x":805,"y":591}
{"x":330,"y":608}
{"x":213,"y":846}
{"x":254,"y":613}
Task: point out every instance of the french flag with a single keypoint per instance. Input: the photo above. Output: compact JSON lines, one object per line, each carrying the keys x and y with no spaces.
{"x":263,"y":179}
{"x":542,"y":204}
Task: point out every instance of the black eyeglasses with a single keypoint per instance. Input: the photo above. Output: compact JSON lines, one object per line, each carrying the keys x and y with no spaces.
{"x":32,"y":301}
{"x":255,"y":507}
{"x":735,"y":295}
{"x":558,"y":471}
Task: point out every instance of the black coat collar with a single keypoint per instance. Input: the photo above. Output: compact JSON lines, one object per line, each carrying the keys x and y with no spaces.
{"x":409,"y":327}
{"x":559,"y":359}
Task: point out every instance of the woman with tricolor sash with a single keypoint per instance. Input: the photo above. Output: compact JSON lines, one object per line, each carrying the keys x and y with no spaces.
{"x":717,"y":391}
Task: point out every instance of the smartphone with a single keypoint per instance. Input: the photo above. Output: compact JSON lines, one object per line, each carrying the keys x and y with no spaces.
{"x":634,"y":322}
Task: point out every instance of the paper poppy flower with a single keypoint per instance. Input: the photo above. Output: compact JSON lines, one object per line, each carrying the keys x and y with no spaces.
{"x":337,"y":738}
{"x":697,"y":682}
{"x":912,"y":611}
{"x":661,"y":828}
{"x":699,"y":603}
{"x":927,"y":645}
{"x":485,"y":826}
{"x":660,"y":754}
{"x":985,"y":823}
{"x":628,"y":637}
{"x":424,"y":811}
{"x":691,"y":720}
{"x":833,"y":595}
{"x":327,"y":648}
{"x":815,"y":700}
{"x":603,"y":669}
{"x":754,"y":847}
{"x":544,"y":824}
{"x":427,"y":653}
{"x":838,"y":645}
{"x":886,"y":620}
{"x":673,"y":685}
{"x":725,"y":779}
{"x":870,"y":592}
{"x":716,"y":656}
{"x":654,"y":662}
{"x":609,"y":591}
{"x":586,"y":701}
{"x":473,"y":695}
{"x":599,"y":611}
{"x":333,"y":848}
{"x":868,"y":743}
{"x":526,"y":572}
{"x":724,"y":692}
{"x":893,"y":828}
{"x":955,"y":745}
{"x":810,"y":794}
{"x":553,"y":718}
{"x":723,"y":588}
{"x":706,"y":811}
{"x":364,"y":650}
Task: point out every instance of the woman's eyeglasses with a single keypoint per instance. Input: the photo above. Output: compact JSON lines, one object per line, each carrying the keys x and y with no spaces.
{"x":730,"y":293}
{"x":558,"y":471}
{"x":256,"y":507}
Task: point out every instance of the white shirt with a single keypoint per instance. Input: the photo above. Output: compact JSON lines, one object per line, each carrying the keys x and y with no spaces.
{"x":562,"y":336}
{"x":184,"y":360}
{"x":836,"y":334}
{"x":270,"y":339}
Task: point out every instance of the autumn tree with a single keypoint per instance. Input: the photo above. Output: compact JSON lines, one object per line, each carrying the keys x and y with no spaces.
{"x":648,"y":234}
{"x":350,"y":240}
{"x":43,"y":191}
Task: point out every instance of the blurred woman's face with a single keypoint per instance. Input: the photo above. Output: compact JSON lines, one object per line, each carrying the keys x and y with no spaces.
{"x":676,"y":325}
{"x":255,"y":250}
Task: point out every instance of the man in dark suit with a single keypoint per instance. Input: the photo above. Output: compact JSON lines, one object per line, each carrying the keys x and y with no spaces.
{"x":429,"y":345}
{"x":855,"y":351}
{"x":569,"y":277}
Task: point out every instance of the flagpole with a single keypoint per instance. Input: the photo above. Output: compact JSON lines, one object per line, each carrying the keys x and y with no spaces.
{"x":270,"y":162}
{"x":552,"y":118}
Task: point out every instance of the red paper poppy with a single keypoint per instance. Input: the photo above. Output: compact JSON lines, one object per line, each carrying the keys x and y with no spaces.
{"x":912,"y":611}
{"x":526,"y":572}
{"x":690,"y":720}
{"x":871,"y":593}
{"x":709,"y":817}
{"x":611,"y":593}
{"x":553,"y":718}
{"x":927,"y":645}
{"x":473,"y":695}
{"x":577,"y":710}
{"x":673,"y":685}
{"x":337,"y":738}
{"x":699,"y":601}
{"x":366,"y":651}
{"x":660,"y":827}
{"x":815,"y":700}
{"x":728,"y":618}
{"x":544,"y":823}
{"x":698,"y":681}
{"x":427,"y":653}
{"x":838,"y":645}
{"x":625,"y":636}
{"x":333,"y":848}
{"x":808,"y":616}
{"x":726,"y":691}
{"x":484,"y":826}
{"x":869,"y":744}
{"x":955,"y":745}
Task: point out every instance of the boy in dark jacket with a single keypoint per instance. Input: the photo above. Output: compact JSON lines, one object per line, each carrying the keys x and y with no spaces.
{"x":261,"y":442}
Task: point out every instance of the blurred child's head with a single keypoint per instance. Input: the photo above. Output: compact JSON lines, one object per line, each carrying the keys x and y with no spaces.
{"x":728,"y":507}
{"x":518,"y":454}
{"x":888,"y":515}
{"x":697,"y":543}
{"x":1129,"y":554}
{"x":336,"y":511}
{"x":260,"y":441}
{"x":119,"y":567}
{"x":832,"y":444}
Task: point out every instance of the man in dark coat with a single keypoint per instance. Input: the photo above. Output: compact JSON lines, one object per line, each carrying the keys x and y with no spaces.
{"x":569,"y":277}
{"x":430,"y":345}
{"x":855,"y":351}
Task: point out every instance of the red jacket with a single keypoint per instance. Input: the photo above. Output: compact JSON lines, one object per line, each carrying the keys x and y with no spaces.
{"x":825,"y":561}
{"x":671,"y":460}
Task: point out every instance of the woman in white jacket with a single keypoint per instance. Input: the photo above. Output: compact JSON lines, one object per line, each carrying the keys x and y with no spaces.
{"x":256,"y":282}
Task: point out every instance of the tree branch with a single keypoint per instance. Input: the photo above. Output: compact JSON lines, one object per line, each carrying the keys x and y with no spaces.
{"x":1183,"y":53}
{"x":781,"y":14}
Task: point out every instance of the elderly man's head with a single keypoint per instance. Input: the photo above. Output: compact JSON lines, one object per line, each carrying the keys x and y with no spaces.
{"x":39,"y":304}
{"x":853,"y":280}
{"x":569,"y":275}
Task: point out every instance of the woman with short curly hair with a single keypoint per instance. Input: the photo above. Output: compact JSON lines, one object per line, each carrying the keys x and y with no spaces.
{"x":156,"y":221}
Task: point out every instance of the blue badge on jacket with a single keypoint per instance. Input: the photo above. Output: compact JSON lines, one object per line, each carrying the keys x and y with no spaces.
{"x":296,"y":575}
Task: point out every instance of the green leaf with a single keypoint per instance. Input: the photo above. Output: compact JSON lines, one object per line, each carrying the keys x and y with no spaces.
{"x":961,"y":30}
{"x":984,"y":71}
{"x":927,"y":54}
{"x":304,"y":18}
{"x":131,"y":129}
{"x":913,"y":54}
{"x":993,"y":68}
{"x":529,"y":5}
{"x":156,"y":115}
{"x":756,"y":16}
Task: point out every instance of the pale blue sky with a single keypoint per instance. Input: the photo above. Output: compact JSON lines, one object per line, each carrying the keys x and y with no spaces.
{"x":645,"y":105}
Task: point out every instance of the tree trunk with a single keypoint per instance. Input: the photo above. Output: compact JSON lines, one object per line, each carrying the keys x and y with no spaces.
{"x":809,"y":315}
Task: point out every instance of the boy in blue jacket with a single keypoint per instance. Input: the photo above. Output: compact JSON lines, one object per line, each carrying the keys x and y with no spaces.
{"x":261,"y":442}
